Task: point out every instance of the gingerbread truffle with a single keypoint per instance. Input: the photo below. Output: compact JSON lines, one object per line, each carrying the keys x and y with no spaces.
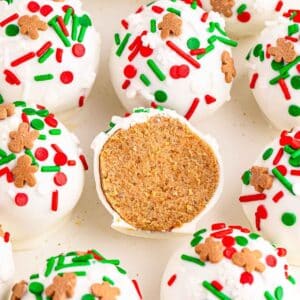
{"x":41,"y":170}
{"x":228,"y":262}
{"x":176,"y":55}
{"x":49,"y":53}
{"x":155,"y":173}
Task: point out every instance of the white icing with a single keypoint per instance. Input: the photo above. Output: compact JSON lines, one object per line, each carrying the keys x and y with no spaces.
{"x":125,"y":123}
{"x":188,"y":283}
{"x":52,"y":93}
{"x":269,"y":97}
{"x":7,"y":266}
{"x":207,"y":80}
{"x":35,"y":218}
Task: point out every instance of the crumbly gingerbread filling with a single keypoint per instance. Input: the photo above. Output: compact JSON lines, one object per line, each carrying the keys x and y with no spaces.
{"x":158,"y":175}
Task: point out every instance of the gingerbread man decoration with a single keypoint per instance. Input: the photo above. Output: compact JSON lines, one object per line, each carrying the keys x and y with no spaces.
{"x":284,"y":51}
{"x":228,"y":67}
{"x":30,"y":25}
{"x":6,"y":110}
{"x":170,"y":25}
{"x":19,"y":290}
{"x":223,"y":7}
{"x":63,"y":287}
{"x":249,"y":260}
{"x":105,"y":291}
{"x":24,"y":172}
{"x":210,"y":250}
{"x":261,"y":179}
{"x":22,"y":138}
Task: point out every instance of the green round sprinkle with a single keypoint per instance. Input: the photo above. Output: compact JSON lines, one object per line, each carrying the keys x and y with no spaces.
{"x":276,"y":66}
{"x":193,"y":43}
{"x":36,"y":288}
{"x":295,"y":162}
{"x":37,"y":124}
{"x":268,"y":153}
{"x":246,"y":177}
{"x":160,"y":96}
{"x":12,"y":30}
{"x":257,"y":50}
{"x":88,"y":297}
{"x":289,"y":219}
{"x":241,"y":241}
{"x":294,"y":110}
{"x":29,"y":111}
{"x":254,"y":236}
{"x":295,"y":82}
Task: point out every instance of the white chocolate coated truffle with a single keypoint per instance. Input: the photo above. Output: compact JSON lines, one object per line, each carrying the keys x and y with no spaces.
{"x":270,"y":195}
{"x":53,"y":65}
{"x":41,"y":171}
{"x":230,"y":263}
{"x":190,"y":70}
{"x":274,"y":73}
{"x":7,"y":266}
{"x":79,"y":275}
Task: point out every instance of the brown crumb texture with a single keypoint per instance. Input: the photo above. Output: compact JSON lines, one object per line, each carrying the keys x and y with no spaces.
{"x":158,"y":175}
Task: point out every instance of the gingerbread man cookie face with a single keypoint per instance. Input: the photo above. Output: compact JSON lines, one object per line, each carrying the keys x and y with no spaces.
{"x":171,"y":25}
{"x":105,"y":291}
{"x":284,"y":51}
{"x":31,"y":25}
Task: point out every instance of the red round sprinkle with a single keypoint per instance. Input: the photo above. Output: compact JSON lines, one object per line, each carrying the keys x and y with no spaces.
{"x":174,"y":72}
{"x":297,"y":135}
{"x":78,"y":50}
{"x":130,"y":71}
{"x":228,"y":241}
{"x":282,"y":169}
{"x":281,"y":252}
{"x":146,"y":51}
{"x":183,"y":71}
{"x":60,"y":179}
{"x":271,"y":261}
{"x":41,"y":154}
{"x":66,"y":7}
{"x":60,"y":159}
{"x":50,"y":121}
{"x":33,"y":6}
{"x":244,"y":17}
{"x":66,"y":77}
{"x":46,"y":10}
{"x":246,"y":278}
{"x":228,"y":252}
{"x":21,"y":199}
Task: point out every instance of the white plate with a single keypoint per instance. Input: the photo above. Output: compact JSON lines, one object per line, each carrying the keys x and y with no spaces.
{"x":239,"y":127}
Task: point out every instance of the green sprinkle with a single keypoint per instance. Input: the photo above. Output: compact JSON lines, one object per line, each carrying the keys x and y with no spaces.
{"x":214,"y":291}
{"x":276,"y":66}
{"x":268,"y":153}
{"x":68,"y":15}
{"x":294,"y":110}
{"x":85,"y":22}
{"x":42,"y":113}
{"x":241,"y":9}
{"x":88,"y":297}
{"x":80,"y":273}
{"x":2,"y":153}
{"x":292,"y":280}
{"x":1,"y":99}
{"x":123,"y":44}
{"x":107,"y":279}
{"x":34,"y":276}
{"x":42,"y":137}
{"x":29,"y":153}
{"x":192,"y":259}
{"x":296,"y":153}
{"x":115,"y":262}
{"x":287,"y":184}
{"x":75,"y":26}
{"x":50,"y":169}
{"x":7,"y":159}
{"x":220,"y":29}
{"x":117,"y":39}
{"x":161,"y":96}
{"x":199,"y":232}
{"x":228,"y":42}
{"x":121,"y":270}
{"x":196,"y":240}
{"x":248,"y":56}
{"x":29,"y":111}
{"x":254,"y":236}
{"x":43,"y":77}
{"x":12,"y":30}
{"x":292,"y":29}
{"x":246,"y":177}
{"x":153,"y":25}
{"x":276,"y":79}
{"x":211,"y":27}
{"x":156,"y":70}
{"x":295,"y":82}
{"x":37,"y":124}
{"x":193,"y":43}
{"x":174,"y":11}
{"x":289,"y":219}
{"x":53,"y":23}
{"x":288,"y":149}
{"x":55,"y":131}
{"x":257,"y":50}
{"x":36,"y":288}
{"x":294,"y":161}
{"x":20,"y":104}
{"x":279,"y":293}
{"x":46,"y":55}
{"x":145,"y":80}
{"x":241,"y":241}
{"x":268,"y":296}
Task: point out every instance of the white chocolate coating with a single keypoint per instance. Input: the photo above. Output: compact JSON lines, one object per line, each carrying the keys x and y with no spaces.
{"x":184,"y":279}
{"x":197,"y":91}
{"x":141,"y":116}
{"x":7,"y":266}
{"x":281,"y":221}
{"x":95,"y":269}
{"x":271,"y":97}
{"x":52,"y":93}
{"x":250,"y":19}
{"x":36,"y":214}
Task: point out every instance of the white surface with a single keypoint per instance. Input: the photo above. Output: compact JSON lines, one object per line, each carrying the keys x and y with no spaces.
{"x":239,"y":128}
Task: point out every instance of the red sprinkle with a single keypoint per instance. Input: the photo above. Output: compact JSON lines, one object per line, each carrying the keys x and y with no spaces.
{"x":56,"y":148}
{"x":124,"y":24}
{"x":210,"y":99}
{"x":244,"y":17}
{"x":60,"y":159}
{"x":11,"y":78}
{"x":157,"y":9}
{"x":228,"y":241}
{"x":59,"y":55}
{"x":81,"y":101}
{"x":44,"y":49}
{"x":41,"y":154}
{"x":204,"y":17}
{"x":222,"y":233}
{"x":50,"y":121}
{"x":282,"y":169}
{"x":71,"y":163}
{"x":192,"y":109}
{"x":23,"y":59}
{"x":24,"y":118}
{"x":130,"y":71}
{"x":60,"y":179}
{"x":279,"y":5}
{"x":254,"y":197}
{"x":33,"y":6}
{"x":281,"y":252}
{"x":84,"y":162}
{"x":172,"y":280}
{"x":271,"y":261}
{"x":21,"y":199}
{"x":62,"y":25}
{"x":66,"y":77}
{"x":217,"y":285}
{"x":284,"y":89}
{"x":278,"y":196}
{"x":46,"y":10}
{"x":228,"y":252}
{"x":126,"y":84}
{"x":218,"y":226}
{"x":246,"y":278}
{"x":78,"y":50}
{"x":137,"y":288}
{"x":278,"y":156}
{"x":253,"y":81}
{"x":6,"y":237}
{"x":54,"y":204}
{"x":9,"y":20}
